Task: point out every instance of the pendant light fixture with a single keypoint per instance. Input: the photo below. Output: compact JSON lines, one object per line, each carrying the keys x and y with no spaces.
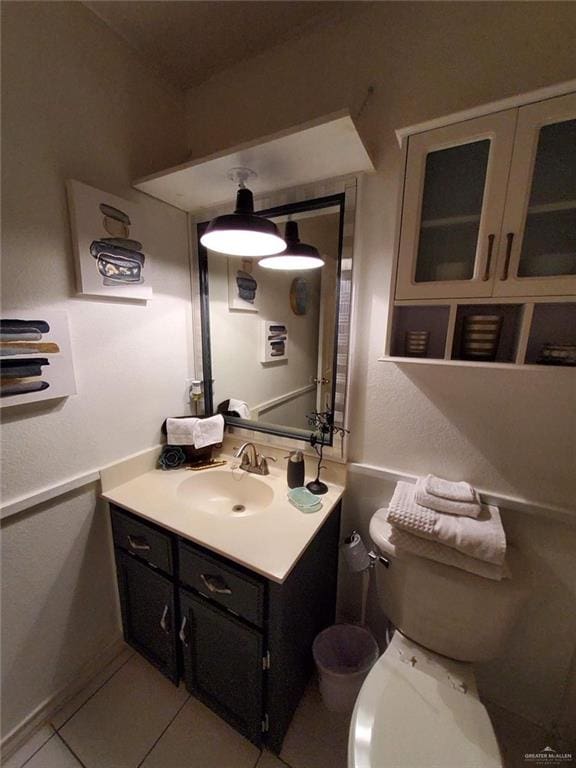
{"x":297,"y":256}
{"x":243,"y":233}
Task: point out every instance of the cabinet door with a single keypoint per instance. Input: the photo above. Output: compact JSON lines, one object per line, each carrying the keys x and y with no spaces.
{"x":223,"y":664}
{"x":538,"y":246}
{"x":454,"y":194}
{"x":148,"y":607}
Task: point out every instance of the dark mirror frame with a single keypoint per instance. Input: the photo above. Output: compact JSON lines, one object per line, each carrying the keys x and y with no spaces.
{"x":339,"y":368}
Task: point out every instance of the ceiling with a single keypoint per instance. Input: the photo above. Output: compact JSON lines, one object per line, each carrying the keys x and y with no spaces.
{"x":188,"y":41}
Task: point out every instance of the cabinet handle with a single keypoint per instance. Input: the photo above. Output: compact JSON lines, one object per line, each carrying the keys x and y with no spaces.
{"x":182,"y":633}
{"x":163,"y":623}
{"x":509,"y":239}
{"x":489,"y":257}
{"x":138,"y":544}
{"x":215,"y":584}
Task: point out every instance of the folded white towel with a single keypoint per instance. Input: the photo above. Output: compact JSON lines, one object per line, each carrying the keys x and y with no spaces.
{"x":240,"y":407}
{"x":431,"y":550}
{"x":447,"y":489}
{"x":482,"y":538}
{"x":208,"y":431}
{"x":449,"y":506}
{"x":180,"y":431}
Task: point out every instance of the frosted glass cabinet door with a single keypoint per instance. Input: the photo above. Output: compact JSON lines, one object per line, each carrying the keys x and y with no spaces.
{"x":454,"y":194}
{"x":537,"y":255}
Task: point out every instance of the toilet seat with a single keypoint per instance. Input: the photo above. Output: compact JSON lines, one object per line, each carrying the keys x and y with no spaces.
{"x":417,"y":709}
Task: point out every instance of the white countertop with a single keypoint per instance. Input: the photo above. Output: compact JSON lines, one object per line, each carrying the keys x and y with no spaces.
{"x":268,"y":541}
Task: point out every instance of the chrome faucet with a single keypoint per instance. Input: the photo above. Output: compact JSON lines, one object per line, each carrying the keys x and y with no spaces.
{"x":252,"y":461}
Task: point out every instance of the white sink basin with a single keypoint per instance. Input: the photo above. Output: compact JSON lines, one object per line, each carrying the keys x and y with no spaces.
{"x":226,"y":493}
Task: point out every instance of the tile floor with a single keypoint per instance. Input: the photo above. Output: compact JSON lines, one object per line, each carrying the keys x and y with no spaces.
{"x":130,"y":716}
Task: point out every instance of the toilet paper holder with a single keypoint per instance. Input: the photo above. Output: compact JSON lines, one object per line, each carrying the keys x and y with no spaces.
{"x":358,"y":557}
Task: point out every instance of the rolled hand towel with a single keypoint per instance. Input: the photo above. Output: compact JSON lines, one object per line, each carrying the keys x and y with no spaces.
{"x":482,"y":538}
{"x":208,"y":431}
{"x":180,"y":431}
{"x":431,"y":550}
{"x":447,"y":489}
{"x":240,"y":407}
{"x":441,"y":504}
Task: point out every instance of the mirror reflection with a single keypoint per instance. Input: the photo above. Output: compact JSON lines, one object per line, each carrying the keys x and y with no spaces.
{"x":272,"y":332}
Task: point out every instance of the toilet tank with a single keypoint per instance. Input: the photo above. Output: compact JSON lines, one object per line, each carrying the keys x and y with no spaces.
{"x":445,"y":609}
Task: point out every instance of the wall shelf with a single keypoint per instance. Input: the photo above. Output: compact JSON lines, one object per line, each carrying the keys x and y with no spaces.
{"x":326,"y":148}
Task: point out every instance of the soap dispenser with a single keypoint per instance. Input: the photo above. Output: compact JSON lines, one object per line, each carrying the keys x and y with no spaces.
{"x":295,"y":472}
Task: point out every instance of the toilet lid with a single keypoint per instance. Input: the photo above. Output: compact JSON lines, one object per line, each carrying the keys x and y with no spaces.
{"x":417,"y":709}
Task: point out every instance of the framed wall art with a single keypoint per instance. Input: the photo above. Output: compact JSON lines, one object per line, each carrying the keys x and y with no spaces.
{"x":107,"y":235}
{"x":35,"y":357}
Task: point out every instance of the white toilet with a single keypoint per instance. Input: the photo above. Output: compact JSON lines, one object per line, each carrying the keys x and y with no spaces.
{"x":419,"y":706}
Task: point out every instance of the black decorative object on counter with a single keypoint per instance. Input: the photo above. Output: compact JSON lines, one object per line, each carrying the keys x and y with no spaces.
{"x":172,"y":457}
{"x":323,"y":424}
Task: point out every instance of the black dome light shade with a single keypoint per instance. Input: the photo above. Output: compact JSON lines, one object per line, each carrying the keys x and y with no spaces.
{"x":243,"y":233}
{"x":297,"y":256}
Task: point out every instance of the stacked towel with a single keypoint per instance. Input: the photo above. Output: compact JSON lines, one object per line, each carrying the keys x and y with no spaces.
{"x":445,"y":496}
{"x":477,"y":545}
{"x":240,"y":406}
{"x":482,"y":537}
{"x":198,"y":433}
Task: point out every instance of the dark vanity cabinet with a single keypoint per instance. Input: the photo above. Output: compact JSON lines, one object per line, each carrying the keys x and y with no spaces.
{"x":241,"y":643}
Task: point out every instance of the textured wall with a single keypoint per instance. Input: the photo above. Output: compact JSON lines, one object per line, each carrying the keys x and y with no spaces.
{"x":510,"y":432}
{"x":78,"y":104}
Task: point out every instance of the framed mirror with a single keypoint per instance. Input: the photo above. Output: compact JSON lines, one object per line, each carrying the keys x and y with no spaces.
{"x":275,"y":342}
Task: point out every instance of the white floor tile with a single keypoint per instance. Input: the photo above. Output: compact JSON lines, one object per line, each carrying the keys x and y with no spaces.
{"x":121,"y":722}
{"x":200,"y":739}
{"x":71,"y":706}
{"x":268,"y":760}
{"x":54,"y":754}
{"x":317,"y":738}
{"x":34,"y":743}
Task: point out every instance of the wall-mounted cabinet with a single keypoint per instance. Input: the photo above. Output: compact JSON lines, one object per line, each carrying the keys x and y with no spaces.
{"x":488,"y":227}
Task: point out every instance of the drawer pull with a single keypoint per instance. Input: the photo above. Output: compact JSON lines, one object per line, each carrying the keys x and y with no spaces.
{"x":215,"y":584}
{"x":489,"y":257}
{"x":182,"y":633}
{"x":138,"y":543}
{"x":163,"y":622}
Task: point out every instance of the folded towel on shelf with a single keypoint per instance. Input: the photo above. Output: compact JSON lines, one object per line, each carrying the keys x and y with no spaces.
{"x":180,"y":431}
{"x":208,"y":431}
{"x":450,"y":506}
{"x":240,"y":407}
{"x":431,"y":550}
{"x":482,"y":538}
{"x":448,"y":489}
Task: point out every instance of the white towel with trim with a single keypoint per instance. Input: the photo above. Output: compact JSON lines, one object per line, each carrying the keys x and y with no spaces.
{"x":431,"y":550}
{"x":447,"y":489}
{"x":240,"y":406}
{"x":449,"y":506}
{"x":482,"y":538}
{"x":180,"y":431}
{"x":208,"y":431}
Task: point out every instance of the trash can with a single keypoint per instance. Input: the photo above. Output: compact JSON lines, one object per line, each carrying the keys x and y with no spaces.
{"x":344,"y":654}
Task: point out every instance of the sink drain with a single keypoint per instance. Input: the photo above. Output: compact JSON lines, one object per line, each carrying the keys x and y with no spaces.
{"x":238,"y":508}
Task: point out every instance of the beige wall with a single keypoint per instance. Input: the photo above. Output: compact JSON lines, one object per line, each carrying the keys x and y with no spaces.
{"x":509,"y":432}
{"x":78,"y":104}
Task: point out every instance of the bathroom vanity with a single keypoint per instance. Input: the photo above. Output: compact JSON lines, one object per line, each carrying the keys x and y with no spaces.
{"x":228,"y":602}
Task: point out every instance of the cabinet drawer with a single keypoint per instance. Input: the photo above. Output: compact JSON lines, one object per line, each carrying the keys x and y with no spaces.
{"x":226,"y":585}
{"x":142,"y":540}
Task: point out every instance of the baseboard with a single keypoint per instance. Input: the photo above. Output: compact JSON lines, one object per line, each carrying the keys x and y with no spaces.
{"x":38,"y":717}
